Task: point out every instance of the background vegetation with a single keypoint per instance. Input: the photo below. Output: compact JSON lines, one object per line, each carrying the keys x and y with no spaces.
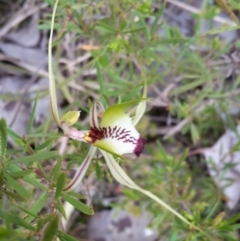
{"x":105,"y":50}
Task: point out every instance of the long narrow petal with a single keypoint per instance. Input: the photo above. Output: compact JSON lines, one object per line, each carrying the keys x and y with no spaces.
{"x":52,"y":87}
{"x":81,"y":170}
{"x":119,"y":174}
{"x":93,"y":116}
{"x":141,"y":108}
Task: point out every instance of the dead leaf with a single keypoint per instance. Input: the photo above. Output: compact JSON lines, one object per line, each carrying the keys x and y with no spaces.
{"x":224,"y":165}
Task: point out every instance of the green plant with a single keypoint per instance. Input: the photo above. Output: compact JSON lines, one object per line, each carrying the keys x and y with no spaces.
{"x":127,"y":53}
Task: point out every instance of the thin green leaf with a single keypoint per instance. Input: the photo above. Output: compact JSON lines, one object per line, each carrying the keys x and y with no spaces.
{"x":26,"y":211}
{"x":65,"y":237}
{"x":188,"y":87}
{"x":3,"y":137}
{"x":60,"y":208}
{"x":133,"y":30}
{"x":100,"y":78}
{"x":36,"y":157}
{"x":15,"y":196}
{"x":56,"y":169}
{"x":106,"y":27}
{"x":98,"y":171}
{"x":194,"y":133}
{"x":223,"y":28}
{"x":45,"y":135}
{"x":20,"y":173}
{"x":15,"y":137}
{"x":48,"y":143}
{"x":60,"y":185}
{"x":51,"y":229}
{"x":5,"y":232}
{"x":15,"y":219}
{"x":30,"y":125}
{"x":155,"y":27}
{"x":17,"y":187}
{"x":76,"y":195}
{"x":38,"y":205}
{"x":77,"y":204}
{"x":28,"y":179}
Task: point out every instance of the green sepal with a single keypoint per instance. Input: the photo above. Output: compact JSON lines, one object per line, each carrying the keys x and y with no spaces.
{"x":71,"y":117}
{"x":116,"y":112}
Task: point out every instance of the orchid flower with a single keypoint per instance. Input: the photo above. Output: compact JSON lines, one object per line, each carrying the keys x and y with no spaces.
{"x":113,"y":136}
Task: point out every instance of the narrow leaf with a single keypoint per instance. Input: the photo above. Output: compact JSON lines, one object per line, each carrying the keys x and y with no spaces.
{"x":17,"y":187}
{"x":60,"y":208}
{"x":155,"y":27}
{"x":26,"y":211}
{"x":38,"y":205}
{"x":15,"y":137}
{"x":5,"y":232}
{"x":36,"y":157}
{"x":55,"y":171}
{"x":100,"y":78}
{"x":47,"y":144}
{"x":77,"y":204}
{"x":60,"y":185}
{"x":223,"y":28}
{"x":30,"y":125}
{"x":45,"y":135}
{"x":20,"y":173}
{"x":3,"y":137}
{"x":65,"y":237}
{"x":51,"y":229}
{"x":28,"y":179}
{"x":15,"y":219}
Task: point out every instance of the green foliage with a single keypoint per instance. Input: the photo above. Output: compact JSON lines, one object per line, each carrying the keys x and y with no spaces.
{"x":129,"y":52}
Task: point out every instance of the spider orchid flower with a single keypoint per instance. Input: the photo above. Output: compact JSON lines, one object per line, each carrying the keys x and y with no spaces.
{"x":114,"y":135}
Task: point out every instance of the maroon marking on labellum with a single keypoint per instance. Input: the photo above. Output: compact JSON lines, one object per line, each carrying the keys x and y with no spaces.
{"x":139,"y":147}
{"x":119,"y":134}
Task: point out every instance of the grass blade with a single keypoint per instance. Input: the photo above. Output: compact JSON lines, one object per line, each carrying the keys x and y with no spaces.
{"x":35,"y":157}
{"x":82,"y":207}
{"x":32,"y":115}
{"x":17,"y":187}
{"x":3,"y":137}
